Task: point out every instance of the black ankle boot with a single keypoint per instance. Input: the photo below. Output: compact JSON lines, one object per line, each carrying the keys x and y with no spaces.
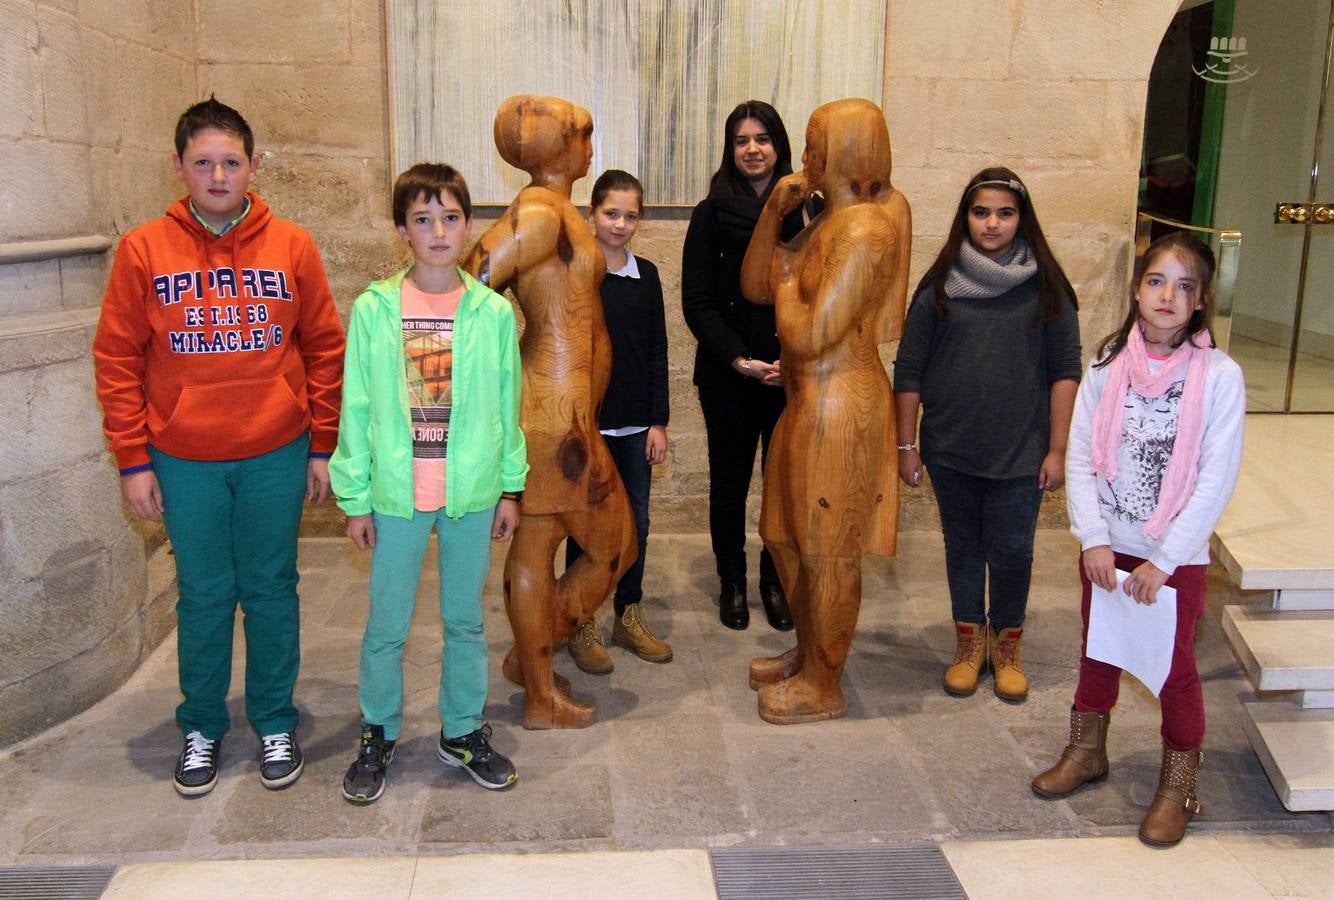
{"x":772,"y":595}
{"x":732,"y":609}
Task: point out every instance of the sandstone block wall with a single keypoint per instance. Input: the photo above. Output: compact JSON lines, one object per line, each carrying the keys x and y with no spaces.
{"x":91,"y":92}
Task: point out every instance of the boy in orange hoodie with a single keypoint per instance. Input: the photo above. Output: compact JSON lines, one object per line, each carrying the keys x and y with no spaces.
{"x":219,"y":361}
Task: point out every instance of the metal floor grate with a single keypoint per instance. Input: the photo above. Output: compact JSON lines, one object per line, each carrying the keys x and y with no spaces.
{"x":54,"y":882}
{"x":918,"y":871}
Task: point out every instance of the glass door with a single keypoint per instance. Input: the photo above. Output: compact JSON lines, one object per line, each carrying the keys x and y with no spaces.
{"x":1235,"y":145}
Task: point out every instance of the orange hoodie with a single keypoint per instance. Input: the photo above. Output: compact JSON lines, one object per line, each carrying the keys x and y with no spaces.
{"x":217,"y":348}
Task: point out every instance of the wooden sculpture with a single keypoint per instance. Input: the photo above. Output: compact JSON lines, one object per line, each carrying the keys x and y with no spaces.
{"x":831,"y":493}
{"x":542,"y":249}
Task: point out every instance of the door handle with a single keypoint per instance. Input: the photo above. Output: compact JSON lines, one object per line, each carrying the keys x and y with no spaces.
{"x":1301,"y":213}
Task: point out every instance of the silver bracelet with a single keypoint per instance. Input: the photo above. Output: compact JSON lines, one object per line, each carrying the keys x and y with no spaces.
{"x":905,"y":447}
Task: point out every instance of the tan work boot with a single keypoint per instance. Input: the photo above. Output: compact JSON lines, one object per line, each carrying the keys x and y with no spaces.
{"x":970,"y":658}
{"x":631,"y":632}
{"x":1174,"y":803}
{"x":587,"y":649}
{"x":1083,"y":760}
{"x":1007,"y":664}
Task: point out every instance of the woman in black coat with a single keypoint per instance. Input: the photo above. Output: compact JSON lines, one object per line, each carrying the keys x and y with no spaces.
{"x":737,"y":370}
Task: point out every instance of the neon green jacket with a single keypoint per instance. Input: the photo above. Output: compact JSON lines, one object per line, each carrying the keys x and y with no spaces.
{"x":371,"y":468}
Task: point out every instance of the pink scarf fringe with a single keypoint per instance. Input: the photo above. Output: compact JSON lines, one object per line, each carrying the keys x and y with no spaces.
{"x":1130,"y":369}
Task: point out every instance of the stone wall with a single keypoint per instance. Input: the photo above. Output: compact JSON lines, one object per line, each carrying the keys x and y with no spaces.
{"x":90,"y":92}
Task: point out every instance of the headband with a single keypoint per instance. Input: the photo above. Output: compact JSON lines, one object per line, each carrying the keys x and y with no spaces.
{"x":1011,"y":184}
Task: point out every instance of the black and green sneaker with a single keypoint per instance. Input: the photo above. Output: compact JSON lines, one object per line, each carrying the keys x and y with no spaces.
{"x":364,"y":781}
{"x":473,"y":753}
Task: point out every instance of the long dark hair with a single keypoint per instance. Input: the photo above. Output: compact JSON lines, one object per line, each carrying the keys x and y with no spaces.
{"x":773,"y":124}
{"x":1197,"y":256}
{"x":1053,"y":287}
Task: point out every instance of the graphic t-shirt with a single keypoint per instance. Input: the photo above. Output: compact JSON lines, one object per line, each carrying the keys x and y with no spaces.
{"x":1148,"y":434}
{"x":428,"y":354}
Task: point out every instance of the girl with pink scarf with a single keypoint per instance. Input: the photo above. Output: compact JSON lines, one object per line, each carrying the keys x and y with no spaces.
{"x":1155,"y":446}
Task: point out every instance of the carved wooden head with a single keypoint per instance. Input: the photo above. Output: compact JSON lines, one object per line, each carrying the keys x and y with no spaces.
{"x":847,"y":146}
{"x":544,"y":134}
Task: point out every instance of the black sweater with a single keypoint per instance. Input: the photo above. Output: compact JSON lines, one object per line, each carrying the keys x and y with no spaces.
{"x":637,"y":394}
{"x":985,"y":375}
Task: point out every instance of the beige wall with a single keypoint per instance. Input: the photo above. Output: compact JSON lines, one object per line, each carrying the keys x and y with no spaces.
{"x":92,"y":88}
{"x":89,"y":94}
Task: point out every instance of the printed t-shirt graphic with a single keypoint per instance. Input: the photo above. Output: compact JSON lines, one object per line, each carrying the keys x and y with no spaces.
{"x":428,"y":355}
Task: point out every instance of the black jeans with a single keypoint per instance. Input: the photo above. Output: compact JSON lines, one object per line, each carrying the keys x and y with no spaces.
{"x":988,"y":525}
{"x":627,"y":452}
{"x":737,"y":416}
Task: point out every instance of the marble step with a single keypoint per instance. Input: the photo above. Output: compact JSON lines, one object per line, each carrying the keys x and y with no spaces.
{"x":1283,"y":651}
{"x":1296,"y":748}
{"x":1294,"y":599}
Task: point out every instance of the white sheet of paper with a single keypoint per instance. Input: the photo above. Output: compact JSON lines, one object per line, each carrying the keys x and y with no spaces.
{"x":1132,"y":636}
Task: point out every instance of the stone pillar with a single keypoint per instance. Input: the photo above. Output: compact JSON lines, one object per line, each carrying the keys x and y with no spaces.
{"x":86,"y":122}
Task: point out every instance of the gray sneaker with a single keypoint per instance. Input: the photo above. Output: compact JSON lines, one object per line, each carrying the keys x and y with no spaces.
{"x":473,"y":753}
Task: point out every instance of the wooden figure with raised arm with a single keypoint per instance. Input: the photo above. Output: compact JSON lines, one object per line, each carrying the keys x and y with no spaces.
{"x":831,"y":496}
{"x":543,"y":250}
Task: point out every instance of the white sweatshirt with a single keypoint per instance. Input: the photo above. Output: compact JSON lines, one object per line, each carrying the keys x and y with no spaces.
{"x":1114,"y":513}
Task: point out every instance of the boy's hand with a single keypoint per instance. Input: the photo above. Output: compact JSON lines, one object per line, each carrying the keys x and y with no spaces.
{"x":506,"y":520}
{"x":1100,"y":566}
{"x":317,"y":481}
{"x":655,"y":448}
{"x":1144,"y":582}
{"x":361,"y":529}
{"x":142,"y":494}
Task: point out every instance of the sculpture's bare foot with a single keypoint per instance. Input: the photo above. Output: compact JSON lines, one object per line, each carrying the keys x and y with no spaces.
{"x":796,"y":700}
{"x":557,"y":711}
{"x":773,"y":669}
{"x":513,"y":671}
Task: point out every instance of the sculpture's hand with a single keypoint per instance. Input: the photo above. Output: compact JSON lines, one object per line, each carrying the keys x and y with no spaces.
{"x":790,"y":192}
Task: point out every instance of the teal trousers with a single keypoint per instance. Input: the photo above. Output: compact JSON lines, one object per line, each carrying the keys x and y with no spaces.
{"x":396,"y":562}
{"x":233,"y":529}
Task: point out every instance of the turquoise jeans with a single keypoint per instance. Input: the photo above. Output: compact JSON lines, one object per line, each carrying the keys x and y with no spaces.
{"x":396,"y":562}
{"x":233,"y":528}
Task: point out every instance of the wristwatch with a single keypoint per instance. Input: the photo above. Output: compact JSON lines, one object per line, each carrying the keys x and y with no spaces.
{"x":516,"y":496}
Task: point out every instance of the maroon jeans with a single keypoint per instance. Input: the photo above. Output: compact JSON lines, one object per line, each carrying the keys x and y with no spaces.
{"x":1182,"y":697}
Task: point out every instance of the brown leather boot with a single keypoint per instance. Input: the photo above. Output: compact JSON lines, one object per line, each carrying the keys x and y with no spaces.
{"x":1174,"y":803}
{"x":1083,"y":760}
{"x":632,"y":633}
{"x":1007,"y":665}
{"x":586,"y":646}
{"x":970,"y":658}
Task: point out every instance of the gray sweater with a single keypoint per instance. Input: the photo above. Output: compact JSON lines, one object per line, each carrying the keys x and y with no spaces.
{"x":985,"y":375}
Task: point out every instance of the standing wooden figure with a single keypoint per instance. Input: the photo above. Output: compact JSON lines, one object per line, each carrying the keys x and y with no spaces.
{"x":832,"y":493}
{"x":543,"y":250}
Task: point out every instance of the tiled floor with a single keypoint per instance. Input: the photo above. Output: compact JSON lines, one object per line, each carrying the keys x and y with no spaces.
{"x":677,"y":761}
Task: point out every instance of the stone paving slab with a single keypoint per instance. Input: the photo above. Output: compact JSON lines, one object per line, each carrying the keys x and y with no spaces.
{"x":678,"y":757}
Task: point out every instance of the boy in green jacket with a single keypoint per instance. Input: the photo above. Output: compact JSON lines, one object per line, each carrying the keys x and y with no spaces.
{"x":429,"y":439}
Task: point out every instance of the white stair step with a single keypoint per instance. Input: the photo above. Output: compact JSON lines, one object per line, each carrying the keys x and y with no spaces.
{"x":1296,"y":748}
{"x":1283,"y":651}
{"x":1290,"y":599}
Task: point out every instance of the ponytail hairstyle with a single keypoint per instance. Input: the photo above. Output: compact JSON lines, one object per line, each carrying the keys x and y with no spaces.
{"x":1197,"y":257}
{"x":1054,"y":288}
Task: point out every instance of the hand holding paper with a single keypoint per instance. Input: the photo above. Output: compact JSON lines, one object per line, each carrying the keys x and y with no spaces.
{"x":1132,"y":636}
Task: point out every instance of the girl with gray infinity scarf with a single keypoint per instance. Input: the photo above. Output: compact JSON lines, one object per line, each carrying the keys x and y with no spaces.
{"x":990,"y":352}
